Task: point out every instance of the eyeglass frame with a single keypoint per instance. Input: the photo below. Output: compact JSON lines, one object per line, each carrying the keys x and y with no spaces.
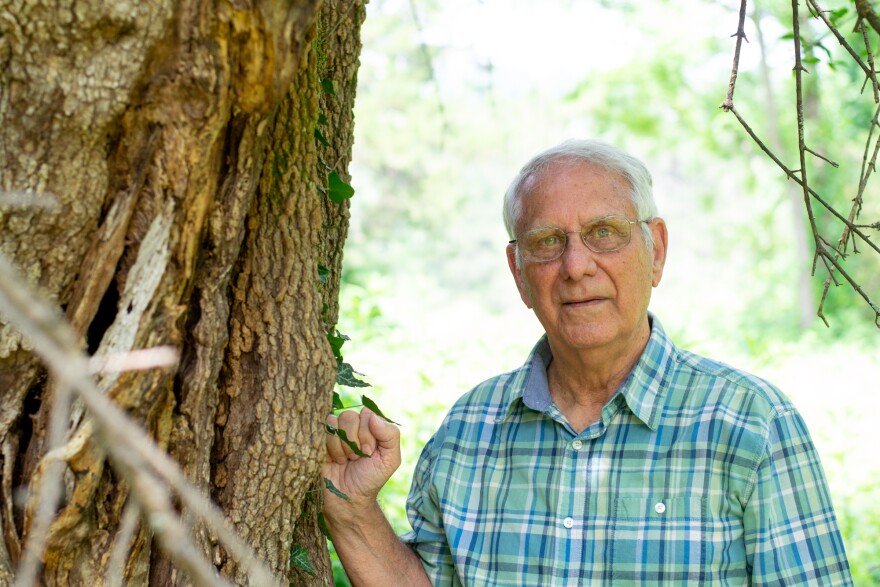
{"x":581,"y":233}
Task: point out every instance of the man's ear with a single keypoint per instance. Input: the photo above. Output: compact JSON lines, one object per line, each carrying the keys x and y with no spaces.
{"x":661,"y":244}
{"x":517,"y":275}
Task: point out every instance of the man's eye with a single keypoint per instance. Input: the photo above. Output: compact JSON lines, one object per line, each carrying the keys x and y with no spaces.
{"x":549,"y":241}
{"x":602,"y":232}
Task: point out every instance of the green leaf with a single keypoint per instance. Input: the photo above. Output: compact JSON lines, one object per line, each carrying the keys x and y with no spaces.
{"x":372,"y":405}
{"x":320,"y":138}
{"x":323,"y":273}
{"x":327,"y":86}
{"x":336,"y":341}
{"x":299,"y":558}
{"x":332,"y":489}
{"x":344,"y":438}
{"x":811,"y":60}
{"x":322,"y":119}
{"x":322,"y":523}
{"x":337,"y":402}
{"x":338,"y":191}
{"x":345,"y":375}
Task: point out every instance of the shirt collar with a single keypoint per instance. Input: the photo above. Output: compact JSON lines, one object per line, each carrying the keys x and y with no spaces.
{"x":643,"y":390}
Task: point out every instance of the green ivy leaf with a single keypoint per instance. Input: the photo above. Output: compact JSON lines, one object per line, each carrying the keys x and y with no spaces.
{"x":322,"y":119}
{"x":299,"y":558}
{"x":332,"y":489}
{"x":372,"y":405}
{"x":344,"y":438}
{"x":323,"y":273}
{"x":320,"y":138}
{"x":322,"y":523}
{"x":327,"y":86}
{"x":346,"y":375}
{"x":336,"y":341}
{"x":337,"y":402}
{"x":338,"y":190}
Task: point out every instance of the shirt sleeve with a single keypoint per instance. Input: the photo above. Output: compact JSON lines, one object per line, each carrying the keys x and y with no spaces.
{"x":791,"y":532}
{"x":427,"y":538}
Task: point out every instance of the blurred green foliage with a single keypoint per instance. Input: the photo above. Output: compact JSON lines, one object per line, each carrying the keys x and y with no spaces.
{"x":452,"y":100}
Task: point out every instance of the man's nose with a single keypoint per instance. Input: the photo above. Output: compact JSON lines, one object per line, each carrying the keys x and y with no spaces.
{"x":577,"y":259}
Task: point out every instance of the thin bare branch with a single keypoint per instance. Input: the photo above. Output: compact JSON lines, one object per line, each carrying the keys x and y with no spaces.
{"x":870,"y":56}
{"x":121,"y":546}
{"x":740,"y":34}
{"x":852,"y":52}
{"x":28,"y":199}
{"x":48,"y":492}
{"x":139,"y":360}
{"x":822,"y":157}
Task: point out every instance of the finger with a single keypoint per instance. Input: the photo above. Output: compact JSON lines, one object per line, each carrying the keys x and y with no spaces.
{"x":365,"y":436}
{"x":349,"y":422}
{"x":386,"y":435}
{"x":334,"y":444}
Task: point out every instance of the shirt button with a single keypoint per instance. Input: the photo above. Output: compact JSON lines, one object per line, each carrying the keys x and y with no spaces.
{"x":660,"y":507}
{"x":577,"y":445}
{"x":568,"y":522}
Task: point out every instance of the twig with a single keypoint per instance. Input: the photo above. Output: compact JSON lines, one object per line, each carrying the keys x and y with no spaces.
{"x":28,"y":199}
{"x":870,"y":55}
{"x":122,"y":544}
{"x":740,"y":34}
{"x":139,"y":360}
{"x":822,"y":157}
{"x":49,"y":491}
{"x":852,"y":52}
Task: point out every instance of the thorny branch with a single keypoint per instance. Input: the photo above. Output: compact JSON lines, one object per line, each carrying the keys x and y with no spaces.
{"x":831,"y":256}
{"x":152,"y":476}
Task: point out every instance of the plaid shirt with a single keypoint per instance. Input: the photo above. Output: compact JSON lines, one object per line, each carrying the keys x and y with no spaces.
{"x":696,"y":474}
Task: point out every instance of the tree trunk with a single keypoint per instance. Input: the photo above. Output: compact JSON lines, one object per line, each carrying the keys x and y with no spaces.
{"x":179,"y":142}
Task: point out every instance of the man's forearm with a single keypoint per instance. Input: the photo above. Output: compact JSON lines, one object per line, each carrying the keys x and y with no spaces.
{"x":372,"y":554}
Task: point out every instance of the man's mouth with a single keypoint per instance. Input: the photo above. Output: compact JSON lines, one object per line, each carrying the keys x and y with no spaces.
{"x":584,"y":302}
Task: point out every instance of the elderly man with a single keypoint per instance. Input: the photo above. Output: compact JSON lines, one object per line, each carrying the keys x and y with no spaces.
{"x":611,"y":456}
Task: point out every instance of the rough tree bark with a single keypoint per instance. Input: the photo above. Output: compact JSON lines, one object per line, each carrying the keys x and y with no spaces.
{"x":179,"y":141}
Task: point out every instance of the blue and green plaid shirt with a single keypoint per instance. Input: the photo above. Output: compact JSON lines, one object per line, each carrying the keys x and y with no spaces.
{"x":696,"y":474}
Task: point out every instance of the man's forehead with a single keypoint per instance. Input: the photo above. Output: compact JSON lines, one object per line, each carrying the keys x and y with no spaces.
{"x":541,"y":180}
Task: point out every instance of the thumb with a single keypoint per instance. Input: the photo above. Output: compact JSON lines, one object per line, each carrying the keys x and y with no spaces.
{"x":386,"y":435}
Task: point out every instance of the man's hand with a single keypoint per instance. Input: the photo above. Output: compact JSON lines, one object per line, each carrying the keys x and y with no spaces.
{"x":370,"y":552}
{"x":360,"y":478}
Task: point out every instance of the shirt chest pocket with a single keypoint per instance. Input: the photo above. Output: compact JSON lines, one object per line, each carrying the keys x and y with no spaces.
{"x":658,"y":540}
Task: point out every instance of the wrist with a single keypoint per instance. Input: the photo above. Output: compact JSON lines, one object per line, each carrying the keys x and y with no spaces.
{"x":354,"y":514}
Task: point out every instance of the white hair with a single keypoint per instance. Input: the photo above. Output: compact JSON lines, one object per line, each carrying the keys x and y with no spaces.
{"x":591,"y":152}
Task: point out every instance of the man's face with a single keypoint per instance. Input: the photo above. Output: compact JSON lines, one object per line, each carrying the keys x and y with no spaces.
{"x":587,"y":300}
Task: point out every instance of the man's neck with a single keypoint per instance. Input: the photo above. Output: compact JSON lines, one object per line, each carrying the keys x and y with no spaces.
{"x":581,"y":381}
